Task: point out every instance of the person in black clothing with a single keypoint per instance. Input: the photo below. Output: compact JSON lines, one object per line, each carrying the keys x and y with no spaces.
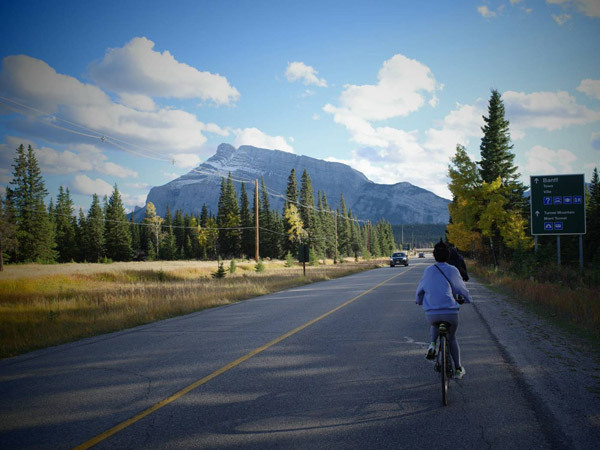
{"x":455,"y":259}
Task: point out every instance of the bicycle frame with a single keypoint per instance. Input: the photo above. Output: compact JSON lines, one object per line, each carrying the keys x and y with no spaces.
{"x":443,"y":363}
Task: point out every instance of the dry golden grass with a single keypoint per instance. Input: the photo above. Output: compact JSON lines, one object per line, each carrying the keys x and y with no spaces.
{"x":50,"y":305}
{"x":579,"y":305}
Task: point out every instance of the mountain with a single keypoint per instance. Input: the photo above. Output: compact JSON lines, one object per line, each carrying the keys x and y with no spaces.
{"x":397,"y":203}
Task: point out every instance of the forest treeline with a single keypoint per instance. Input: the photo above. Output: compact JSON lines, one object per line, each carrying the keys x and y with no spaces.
{"x":31,"y":231}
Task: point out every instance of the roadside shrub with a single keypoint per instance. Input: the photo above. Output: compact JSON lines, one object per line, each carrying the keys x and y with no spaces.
{"x":232,"y":266}
{"x":260,"y":266}
{"x":289,"y":260}
{"x":220,"y":273}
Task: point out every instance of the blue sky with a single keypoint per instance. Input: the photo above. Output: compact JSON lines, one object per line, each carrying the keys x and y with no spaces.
{"x":138,"y":93}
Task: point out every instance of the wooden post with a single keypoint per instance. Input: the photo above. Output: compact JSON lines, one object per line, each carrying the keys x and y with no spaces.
{"x":256,"y":218}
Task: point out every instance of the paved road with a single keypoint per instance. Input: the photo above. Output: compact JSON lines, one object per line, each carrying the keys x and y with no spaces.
{"x":337,"y":364}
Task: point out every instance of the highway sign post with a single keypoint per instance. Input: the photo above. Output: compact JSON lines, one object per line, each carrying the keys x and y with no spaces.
{"x":558,"y":207}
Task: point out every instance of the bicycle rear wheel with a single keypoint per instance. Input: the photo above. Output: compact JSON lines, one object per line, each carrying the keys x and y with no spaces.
{"x":444,"y":371}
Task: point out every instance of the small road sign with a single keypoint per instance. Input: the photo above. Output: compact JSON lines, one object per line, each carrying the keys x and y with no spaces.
{"x":557,"y":205}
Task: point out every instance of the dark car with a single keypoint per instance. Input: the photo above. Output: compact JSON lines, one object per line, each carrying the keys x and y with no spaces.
{"x":398,"y":258}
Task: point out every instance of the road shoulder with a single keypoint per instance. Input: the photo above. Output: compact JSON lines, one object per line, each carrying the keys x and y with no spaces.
{"x":560,"y":371}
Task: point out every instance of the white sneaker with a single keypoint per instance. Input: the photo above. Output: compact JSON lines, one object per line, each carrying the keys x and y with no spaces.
{"x":459,"y":373}
{"x":431,"y":351}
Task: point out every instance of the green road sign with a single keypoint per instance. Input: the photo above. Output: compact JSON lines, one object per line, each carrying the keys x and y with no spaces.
{"x":557,"y":204}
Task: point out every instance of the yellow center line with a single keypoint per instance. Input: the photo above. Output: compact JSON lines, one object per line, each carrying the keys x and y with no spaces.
{"x":121,"y":426}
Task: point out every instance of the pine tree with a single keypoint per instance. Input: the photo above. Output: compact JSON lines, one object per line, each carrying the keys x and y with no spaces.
{"x":94,"y":233}
{"x":307,"y":208}
{"x":497,"y":162}
{"x":592,"y":237}
{"x":117,"y":233}
{"x":291,"y":198}
{"x":228,"y":219}
{"x":80,"y":237}
{"x":343,"y":229}
{"x":65,"y":224}
{"x":248,"y":232}
{"x":8,"y":228}
{"x":35,"y":231}
{"x":136,"y":244}
{"x":180,"y":233}
{"x":169,"y":247}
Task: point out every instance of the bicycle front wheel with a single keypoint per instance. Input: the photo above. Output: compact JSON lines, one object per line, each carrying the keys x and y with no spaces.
{"x":444,"y":371}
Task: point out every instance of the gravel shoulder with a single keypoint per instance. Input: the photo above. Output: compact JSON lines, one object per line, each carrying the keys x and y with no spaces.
{"x":559,"y":372}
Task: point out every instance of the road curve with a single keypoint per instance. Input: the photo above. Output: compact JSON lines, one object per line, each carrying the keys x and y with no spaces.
{"x":336,"y":364}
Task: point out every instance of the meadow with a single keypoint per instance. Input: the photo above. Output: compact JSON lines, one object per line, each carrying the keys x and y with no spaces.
{"x":46,"y":305}
{"x":559,"y":294}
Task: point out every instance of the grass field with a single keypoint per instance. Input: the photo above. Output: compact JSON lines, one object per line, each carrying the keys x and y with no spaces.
{"x":45,"y":305}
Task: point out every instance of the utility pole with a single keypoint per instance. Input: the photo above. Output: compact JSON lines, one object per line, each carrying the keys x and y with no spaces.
{"x":335,"y":251}
{"x":256,"y":217}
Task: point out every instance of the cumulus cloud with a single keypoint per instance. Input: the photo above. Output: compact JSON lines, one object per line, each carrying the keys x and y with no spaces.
{"x":561,"y":19}
{"x":545,"y":110}
{"x":137,"y":69}
{"x":147,"y":132}
{"x":256,"y":138}
{"x":486,"y":12}
{"x":542,"y":160}
{"x":401,"y":89}
{"x":82,"y":184}
{"x":590,"y":87}
{"x":458,"y":127}
{"x":590,"y":8}
{"x":308,"y":75}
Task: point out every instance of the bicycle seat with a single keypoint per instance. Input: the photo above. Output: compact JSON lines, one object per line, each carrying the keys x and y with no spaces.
{"x":443,"y":325}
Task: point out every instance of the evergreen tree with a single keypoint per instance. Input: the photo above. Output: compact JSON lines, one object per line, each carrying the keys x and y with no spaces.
{"x":327,"y":219}
{"x":592,"y":237}
{"x":180,"y":233}
{"x":497,"y":162}
{"x":65,"y":225}
{"x":80,"y":237}
{"x":291,"y":198}
{"x":248,"y":232}
{"x":8,"y":241}
{"x":268,"y":245}
{"x":228,"y":219}
{"x":136,"y":244}
{"x":117,"y":234}
{"x":307,"y":208}
{"x":343,"y":229}
{"x":35,"y":232}
{"x":94,"y":232}
{"x":168,"y":249}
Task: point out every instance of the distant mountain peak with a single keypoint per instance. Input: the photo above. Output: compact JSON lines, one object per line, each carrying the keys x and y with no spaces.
{"x":397,"y":203}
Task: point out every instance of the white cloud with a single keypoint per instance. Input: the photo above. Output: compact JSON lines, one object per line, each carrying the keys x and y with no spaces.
{"x":299,"y":71}
{"x":561,"y":19}
{"x":545,"y":110}
{"x":400,"y":90}
{"x":458,"y":127}
{"x":186,"y":160}
{"x":138,"y":101}
{"x":153,"y":134}
{"x":590,"y":87}
{"x":144,"y":186}
{"x":137,"y":69}
{"x":542,"y":160}
{"x":82,"y":184}
{"x":485,"y":11}
{"x":590,"y":8}
{"x":256,"y":138}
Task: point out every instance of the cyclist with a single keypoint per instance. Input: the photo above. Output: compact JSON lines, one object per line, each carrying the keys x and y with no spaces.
{"x":438,"y":290}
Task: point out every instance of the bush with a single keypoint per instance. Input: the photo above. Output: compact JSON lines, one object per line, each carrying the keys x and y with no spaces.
{"x":260,"y":267}
{"x":232,"y":266}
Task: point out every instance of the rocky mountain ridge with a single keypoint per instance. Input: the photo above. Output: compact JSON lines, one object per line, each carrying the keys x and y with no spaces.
{"x":397,"y":203}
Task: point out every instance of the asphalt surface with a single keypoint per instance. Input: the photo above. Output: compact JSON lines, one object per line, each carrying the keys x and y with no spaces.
{"x":336,"y":364}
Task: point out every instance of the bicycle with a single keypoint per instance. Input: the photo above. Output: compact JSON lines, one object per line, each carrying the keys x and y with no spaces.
{"x":443,"y":360}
